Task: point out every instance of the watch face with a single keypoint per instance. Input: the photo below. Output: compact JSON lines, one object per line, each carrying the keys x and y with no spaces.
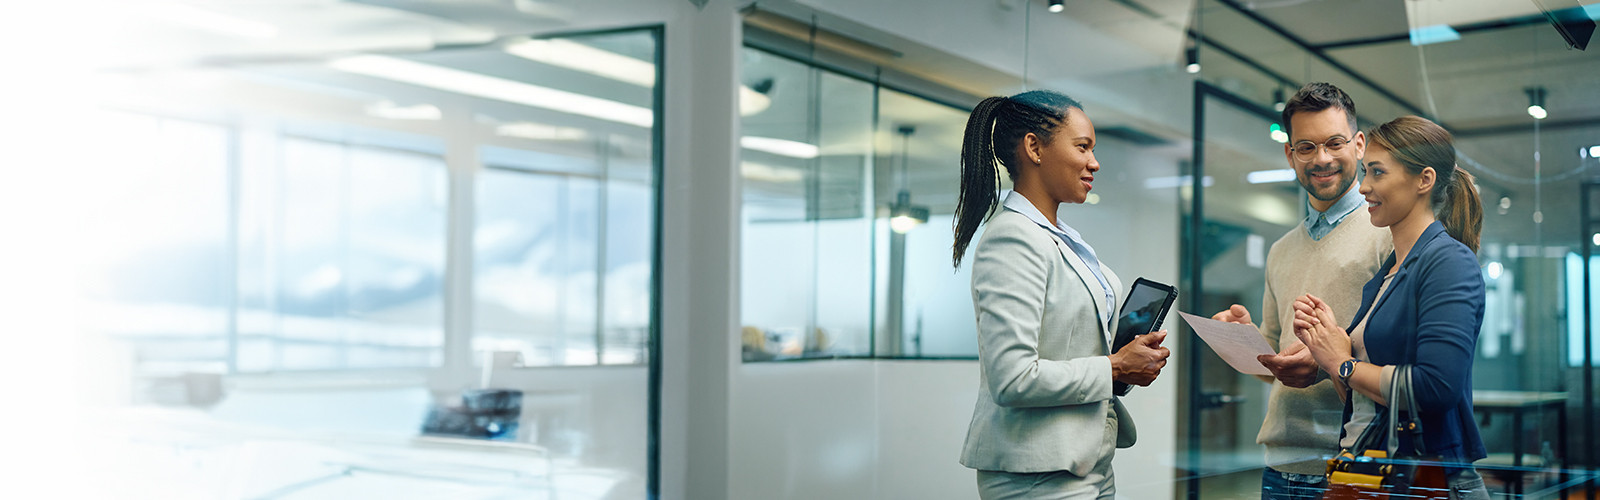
{"x":1346,"y":368}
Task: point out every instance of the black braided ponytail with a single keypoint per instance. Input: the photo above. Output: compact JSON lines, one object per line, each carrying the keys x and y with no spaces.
{"x":994,"y":129}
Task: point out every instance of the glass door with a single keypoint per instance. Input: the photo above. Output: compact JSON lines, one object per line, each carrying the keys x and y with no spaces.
{"x":1248,"y":200}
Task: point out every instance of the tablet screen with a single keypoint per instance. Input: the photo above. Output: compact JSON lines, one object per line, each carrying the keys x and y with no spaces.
{"x":1142,"y":313}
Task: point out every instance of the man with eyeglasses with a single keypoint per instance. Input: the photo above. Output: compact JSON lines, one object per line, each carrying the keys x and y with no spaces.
{"x":1331,"y":254}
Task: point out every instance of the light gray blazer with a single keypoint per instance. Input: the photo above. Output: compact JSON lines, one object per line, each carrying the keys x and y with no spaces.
{"x":1046,"y":380}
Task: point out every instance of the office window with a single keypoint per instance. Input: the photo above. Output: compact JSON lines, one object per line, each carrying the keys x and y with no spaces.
{"x":808,"y":212}
{"x":564,"y":218}
{"x":536,"y":252}
{"x":344,"y":264}
{"x":1573,"y":290}
{"x":157,"y":278}
{"x":278,"y":233}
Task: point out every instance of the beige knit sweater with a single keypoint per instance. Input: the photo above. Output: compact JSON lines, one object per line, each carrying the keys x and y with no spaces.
{"x":1302,"y":425}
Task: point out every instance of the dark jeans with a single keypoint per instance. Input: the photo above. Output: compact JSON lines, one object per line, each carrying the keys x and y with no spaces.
{"x":1274,"y":486}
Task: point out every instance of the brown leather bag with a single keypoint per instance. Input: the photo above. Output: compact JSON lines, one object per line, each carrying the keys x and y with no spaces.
{"x":1362,"y":472}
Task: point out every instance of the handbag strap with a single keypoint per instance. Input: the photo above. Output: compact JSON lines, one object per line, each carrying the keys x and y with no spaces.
{"x":1400,"y":387}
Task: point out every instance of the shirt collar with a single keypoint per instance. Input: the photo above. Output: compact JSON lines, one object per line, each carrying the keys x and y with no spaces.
{"x":1318,"y":224}
{"x":1018,"y":203}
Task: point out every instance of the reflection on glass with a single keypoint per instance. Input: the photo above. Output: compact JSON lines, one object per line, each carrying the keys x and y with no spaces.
{"x":806,"y":233}
{"x":823,"y":272}
{"x":278,"y":243}
{"x":1241,"y":217}
{"x":927,"y":308}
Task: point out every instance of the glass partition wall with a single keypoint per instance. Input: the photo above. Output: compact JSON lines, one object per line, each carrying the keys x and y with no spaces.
{"x":841,"y":257}
{"x":376,"y":270}
{"x":1532,"y":383}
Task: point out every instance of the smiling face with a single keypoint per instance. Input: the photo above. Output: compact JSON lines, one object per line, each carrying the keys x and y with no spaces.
{"x":1326,"y":175}
{"x":1393,"y":193}
{"x":1066,"y":165}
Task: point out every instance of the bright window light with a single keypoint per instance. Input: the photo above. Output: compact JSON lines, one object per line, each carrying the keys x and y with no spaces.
{"x":214,"y":22}
{"x":489,"y":87}
{"x":1574,"y":293}
{"x":1270,"y":176}
{"x":781,"y":147}
{"x":1433,"y":34}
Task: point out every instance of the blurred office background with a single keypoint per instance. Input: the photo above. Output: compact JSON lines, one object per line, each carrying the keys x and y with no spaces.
{"x":298,"y":249}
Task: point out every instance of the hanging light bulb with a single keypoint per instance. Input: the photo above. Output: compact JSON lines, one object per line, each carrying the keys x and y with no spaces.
{"x":1056,"y":6}
{"x":1191,"y":57}
{"x":903,"y":216}
{"x":1278,"y":103}
{"x":1536,"y":103}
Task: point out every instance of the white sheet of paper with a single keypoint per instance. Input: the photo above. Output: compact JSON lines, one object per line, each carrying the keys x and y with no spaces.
{"x":1235,"y":343}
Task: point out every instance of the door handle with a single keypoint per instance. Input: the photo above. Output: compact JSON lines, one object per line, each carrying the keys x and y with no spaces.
{"x":1209,"y":400}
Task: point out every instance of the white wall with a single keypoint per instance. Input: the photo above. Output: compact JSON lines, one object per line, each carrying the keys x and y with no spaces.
{"x":853,"y":430}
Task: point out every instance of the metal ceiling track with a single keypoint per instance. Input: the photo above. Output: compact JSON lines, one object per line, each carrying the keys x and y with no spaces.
{"x":1313,"y":50}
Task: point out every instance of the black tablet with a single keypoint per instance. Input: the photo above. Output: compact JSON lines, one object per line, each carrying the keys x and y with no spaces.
{"x":1147,"y":304}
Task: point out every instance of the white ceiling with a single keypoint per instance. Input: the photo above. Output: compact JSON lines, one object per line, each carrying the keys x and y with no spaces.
{"x":1121,"y":57}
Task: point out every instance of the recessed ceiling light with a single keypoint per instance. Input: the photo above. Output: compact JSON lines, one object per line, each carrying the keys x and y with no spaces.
{"x":489,"y":87}
{"x":1270,"y":176}
{"x":576,"y":56}
{"x":780,"y":147}
{"x":390,"y":110}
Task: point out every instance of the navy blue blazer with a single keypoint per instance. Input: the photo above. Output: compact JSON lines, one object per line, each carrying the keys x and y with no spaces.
{"x":1430,"y":318}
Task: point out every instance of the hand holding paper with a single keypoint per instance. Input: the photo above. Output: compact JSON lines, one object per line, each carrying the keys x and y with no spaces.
{"x":1238,"y":344}
{"x":1294,"y":366}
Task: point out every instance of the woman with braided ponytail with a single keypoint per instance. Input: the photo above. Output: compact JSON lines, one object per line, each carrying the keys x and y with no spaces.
{"x":1046,"y":421}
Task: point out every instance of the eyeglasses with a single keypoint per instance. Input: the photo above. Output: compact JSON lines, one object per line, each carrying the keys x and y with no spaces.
{"x":1305,"y":151}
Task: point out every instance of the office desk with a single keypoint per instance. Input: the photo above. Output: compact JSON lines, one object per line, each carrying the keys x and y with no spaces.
{"x":1517,"y":403}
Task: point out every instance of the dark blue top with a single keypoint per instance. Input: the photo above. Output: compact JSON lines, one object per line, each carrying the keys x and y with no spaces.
{"x":1430,"y":319}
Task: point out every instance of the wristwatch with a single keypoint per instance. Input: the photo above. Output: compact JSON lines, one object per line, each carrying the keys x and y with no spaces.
{"x":1347,"y":369}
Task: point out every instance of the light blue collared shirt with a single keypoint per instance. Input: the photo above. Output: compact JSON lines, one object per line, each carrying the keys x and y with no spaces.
{"x":1319,"y":224}
{"x":1017,"y":203}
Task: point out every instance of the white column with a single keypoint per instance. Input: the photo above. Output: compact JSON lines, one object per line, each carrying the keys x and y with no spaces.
{"x":461,"y":162}
{"x":700,"y":254}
